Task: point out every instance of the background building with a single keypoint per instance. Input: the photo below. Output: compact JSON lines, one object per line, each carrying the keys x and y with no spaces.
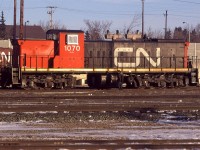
{"x":30,"y":32}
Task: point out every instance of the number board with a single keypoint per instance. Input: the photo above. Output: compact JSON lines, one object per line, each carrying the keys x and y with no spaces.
{"x":72,"y":39}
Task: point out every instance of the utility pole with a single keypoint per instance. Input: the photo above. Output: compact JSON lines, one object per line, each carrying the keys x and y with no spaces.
{"x":15,"y":19}
{"x":142,"y":18}
{"x":50,"y":12}
{"x":21,"y":19}
{"x":166,"y":14}
{"x":188,"y":30}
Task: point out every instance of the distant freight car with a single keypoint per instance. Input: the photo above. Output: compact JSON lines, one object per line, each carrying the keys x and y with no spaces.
{"x":5,"y":65}
{"x":5,"y":56}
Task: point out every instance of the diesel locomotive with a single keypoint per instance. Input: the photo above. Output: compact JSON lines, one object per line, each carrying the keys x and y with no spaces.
{"x":65,"y":54}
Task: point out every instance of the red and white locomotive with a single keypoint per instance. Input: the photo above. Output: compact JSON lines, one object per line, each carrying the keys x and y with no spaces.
{"x":106,"y":63}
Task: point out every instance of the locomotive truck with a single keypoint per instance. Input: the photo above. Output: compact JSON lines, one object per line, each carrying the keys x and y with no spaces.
{"x":54,"y":62}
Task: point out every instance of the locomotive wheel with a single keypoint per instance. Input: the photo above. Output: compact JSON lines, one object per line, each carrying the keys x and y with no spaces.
{"x":114,"y":81}
{"x":91,"y":80}
{"x":186,"y":81}
{"x":162,"y":81}
{"x":99,"y":81}
{"x":120,"y":80}
{"x":163,"y":84}
{"x":49,"y":82}
{"x":131,"y":82}
{"x":170,"y":81}
{"x":108,"y":80}
{"x":146,"y":84}
{"x":103,"y":82}
{"x":49,"y":85}
{"x":130,"y":79}
{"x":31,"y":84}
{"x":173,"y":82}
{"x":69,"y":83}
{"x":138,"y":81}
{"x":180,"y":83}
{"x":134,"y":84}
{"x":120,"y":85}
{"x":176,"y":83}
{"x":146,"y":81}
{"x":28,"y":83}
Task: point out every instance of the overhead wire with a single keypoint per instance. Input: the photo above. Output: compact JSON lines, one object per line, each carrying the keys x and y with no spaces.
{"x":187,"y":1}
{"x":126,"y":13}
{"x":123,"y":14}
{"x":114,"y":13}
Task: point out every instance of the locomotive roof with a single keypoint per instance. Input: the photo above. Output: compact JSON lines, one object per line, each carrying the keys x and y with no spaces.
{"x":55,"y":31}
{"x":142,"y":40}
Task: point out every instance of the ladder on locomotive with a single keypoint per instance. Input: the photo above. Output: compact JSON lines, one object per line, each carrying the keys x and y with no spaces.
{"x":16,"y":77}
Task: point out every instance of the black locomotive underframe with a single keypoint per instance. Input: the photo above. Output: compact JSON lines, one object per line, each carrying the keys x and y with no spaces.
{"x":109,"y":79}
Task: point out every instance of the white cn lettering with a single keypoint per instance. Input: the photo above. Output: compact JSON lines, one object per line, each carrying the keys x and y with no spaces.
{"x":138,"y":54}
{"x":5,"y":57}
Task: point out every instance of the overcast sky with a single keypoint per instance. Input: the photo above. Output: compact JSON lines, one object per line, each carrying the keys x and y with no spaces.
{"x":71,"y":13}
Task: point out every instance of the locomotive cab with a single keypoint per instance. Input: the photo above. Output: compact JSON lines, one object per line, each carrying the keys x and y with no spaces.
{"x":62,"y":49}
{"x":47,"y":62}
{"x":70,"y":49}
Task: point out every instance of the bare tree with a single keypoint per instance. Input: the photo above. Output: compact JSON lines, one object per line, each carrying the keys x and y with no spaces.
{"x":158,"y":34}
{"x":149,"y":33}
{"x":169,"y":34}
{"x":45,"y":25}
{"x":178,"y":33}
{"x":133,"y":24}
{"x":57,"y":25}
{"x":194,"y":36}
{"x":197,"y":28}
{"x":154,"y":34}
{"x":97,"y":29}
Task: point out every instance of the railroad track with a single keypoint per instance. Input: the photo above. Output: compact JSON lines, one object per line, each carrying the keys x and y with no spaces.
{"x":89,"y":101}
{"x":94,"y":103}
{"x":99,"y":107}
{"x":101,"y":144}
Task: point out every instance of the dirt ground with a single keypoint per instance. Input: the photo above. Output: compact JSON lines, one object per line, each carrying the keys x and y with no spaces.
{"x":39,"y":124}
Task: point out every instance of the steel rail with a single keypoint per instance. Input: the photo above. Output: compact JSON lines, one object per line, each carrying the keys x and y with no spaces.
{"x":101,"y":144}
